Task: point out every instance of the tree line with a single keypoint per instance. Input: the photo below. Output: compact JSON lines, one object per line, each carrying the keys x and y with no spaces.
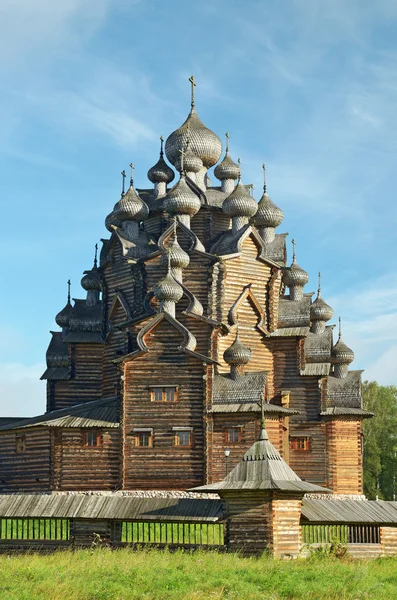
{"x":380,"y":441}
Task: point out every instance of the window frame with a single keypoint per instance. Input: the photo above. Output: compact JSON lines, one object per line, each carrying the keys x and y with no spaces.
{"x":164,"y":389}
{"x":20,"y":443}
{"x":183,"y":430}
{"x":301,"y":443}
{"x":137,"y":438}
{"x":95,"y":433}
{"x":228,"y":440}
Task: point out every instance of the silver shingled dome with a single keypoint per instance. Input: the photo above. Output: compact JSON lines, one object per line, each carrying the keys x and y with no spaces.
{"x":181,"y":200}
{"x":268,"y":214}
{"x":161,"y":172}
{"x":341,"y":354}
{"x":239,"y":203}
{"x":178,"y":258}
{"x":130,"y":207}
{"x":237,"y":353}
{"x":204,"y":143}
{"x":320,"y":310}
{"x":168,"y":289}
{"x":227,"y":169}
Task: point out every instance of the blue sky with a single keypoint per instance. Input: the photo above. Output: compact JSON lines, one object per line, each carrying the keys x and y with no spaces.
{"x":86,"y":87}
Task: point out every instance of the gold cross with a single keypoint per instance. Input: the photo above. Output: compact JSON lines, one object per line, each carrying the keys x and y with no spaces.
{"x":191,"y":79}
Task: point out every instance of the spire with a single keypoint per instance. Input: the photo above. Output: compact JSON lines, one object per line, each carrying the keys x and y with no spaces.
{"x":227,"y":136}
{"x":191,"y":79}
{"x":123,"y":175}
{"x":319,"y":285}
{"x":96,"y":256}
{"x":161,"y":146}
{"x":239,"y":166}
{"x":62,"y":318}
{"x":263,"y":433}
{"x":264,"y":178}
{"x":69,"y":284}
{"x":340,"y":329}
{"x":293,"y":251}
{"x":320,"y":311}
{"x":132,"y":166}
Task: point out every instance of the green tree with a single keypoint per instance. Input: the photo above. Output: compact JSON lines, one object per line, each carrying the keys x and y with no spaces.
{"x":380,"y":441}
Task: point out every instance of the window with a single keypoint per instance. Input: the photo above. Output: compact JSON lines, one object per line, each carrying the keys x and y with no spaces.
{"x":183,"y":437}
{"x":92,"y":438}
{"x":233,"y":435}
{"x":20,"y":443}
{"x":301,"y":444}
{"x":164,"y":394}
{"x":143,"y":439}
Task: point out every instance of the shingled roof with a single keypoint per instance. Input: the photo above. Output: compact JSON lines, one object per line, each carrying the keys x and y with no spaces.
{"x":262,"y":468}
{"x":99,"y":413}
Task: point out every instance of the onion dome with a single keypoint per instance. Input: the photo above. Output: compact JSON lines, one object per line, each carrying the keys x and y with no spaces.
{"x":62,"y":318}
{"x":227,"y":169}
{"x":91,"y":280}
{"x":320,"y":310}
{"x":295,"y":275}
{"x":110,"y":220}
{"x":237,"y":353}
{"x":181,"y":200}
{"x":204,"y":143}
{"x":341,"y":354}
{"x":175,"y":256}
{"x":191,"y":162}
{"x":168,"y":289}
{"x":268,"y":214}
{"x":240,"y":203}
{"x":161,"y":172}
{"x":130,"y":207}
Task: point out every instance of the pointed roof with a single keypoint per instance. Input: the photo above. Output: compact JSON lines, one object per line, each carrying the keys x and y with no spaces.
{"x":262,"y":468}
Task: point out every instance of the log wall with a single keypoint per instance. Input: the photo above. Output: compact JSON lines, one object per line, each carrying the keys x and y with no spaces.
{"x":344,"y":455}
{"x":388,"y":540}
{"x":164,"y":465}
{"x":286,"y":527}
{"x":28,"y":470}
{"x":249,"y":521}
{"x":79,"y":467}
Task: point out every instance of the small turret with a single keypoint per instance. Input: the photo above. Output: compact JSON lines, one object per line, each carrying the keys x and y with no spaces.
{"x":320,"y":311}
{"x":63,"y":317}
{"x":161,"y":174}
{"x":268,"y":216}
{"x":91,"y":282}
{"x":240,"y":206}
{"x":181,"y":202}
{"x":295,"y":278}
{"x":341,"y":356}
{"x":237,"y":356}
{"x":129,"y":211}
{"x":168,"y":291}
{"x":227,"y":171}
{"x":176,"y":257}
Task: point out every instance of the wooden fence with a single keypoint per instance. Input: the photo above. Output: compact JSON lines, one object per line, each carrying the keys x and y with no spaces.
{"x":345,"y":534}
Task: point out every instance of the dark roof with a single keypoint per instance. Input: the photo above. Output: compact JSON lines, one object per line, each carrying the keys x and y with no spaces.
{"x":8,"y":420}
{"x":84,"y":337}
{"x":85,"y":317}
{"x":99,"y":413}
{"x":262,"y":468}
{"x":290,"y":332}
{"x":276,"y":250}
{"x":246,"y":388}
{"x":82,"y":506}
{"x":318,"y":346}
{"x":349,"y":511}
{"x":345,"y":392}
{"x":316,"y":369}
{"x":57,"y":357}
{"x":294,"y":313}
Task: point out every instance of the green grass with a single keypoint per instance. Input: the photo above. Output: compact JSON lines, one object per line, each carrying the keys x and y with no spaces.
{"x":124,"y":574}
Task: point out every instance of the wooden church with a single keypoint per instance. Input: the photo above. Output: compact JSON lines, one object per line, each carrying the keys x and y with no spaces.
{"x":192,"y":318}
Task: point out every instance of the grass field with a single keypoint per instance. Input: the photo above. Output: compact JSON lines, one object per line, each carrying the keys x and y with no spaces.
{"x":124,"y":574}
